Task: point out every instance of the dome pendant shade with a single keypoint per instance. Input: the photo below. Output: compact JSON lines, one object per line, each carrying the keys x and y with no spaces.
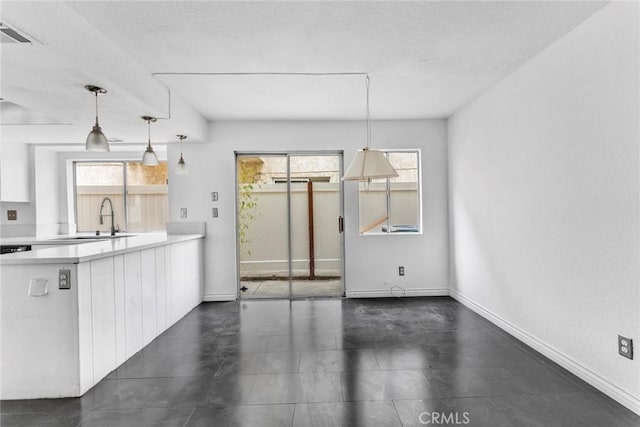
{"x":369,"y":164}
{"x":149,"y":158}
{"x":181,"y":167}
{"x":96,"y":141}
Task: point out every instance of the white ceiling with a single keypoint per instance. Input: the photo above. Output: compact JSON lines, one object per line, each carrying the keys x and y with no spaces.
{"x":426,"y":59}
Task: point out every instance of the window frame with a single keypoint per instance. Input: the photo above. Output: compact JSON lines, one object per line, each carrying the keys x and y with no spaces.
{"x":390,"y":232}
{"x":125,"y":189}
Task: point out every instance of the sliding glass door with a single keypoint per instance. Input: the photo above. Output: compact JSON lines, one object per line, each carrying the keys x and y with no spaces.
{"x":288,"y":209}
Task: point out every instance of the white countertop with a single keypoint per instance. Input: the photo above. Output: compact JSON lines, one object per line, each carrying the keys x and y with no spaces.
{"x":65,"y":250}
{"x":67,"y":239}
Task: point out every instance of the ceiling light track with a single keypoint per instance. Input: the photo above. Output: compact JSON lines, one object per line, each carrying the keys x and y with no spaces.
{"x":368,"y":164}
{"x":267,"y":73}
{"x":169,"y":102}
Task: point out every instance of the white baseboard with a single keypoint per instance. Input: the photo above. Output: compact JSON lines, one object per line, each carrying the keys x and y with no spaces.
{"x":219,"y":297}
{"x":385,"y":293}
{"x":623,"y":397}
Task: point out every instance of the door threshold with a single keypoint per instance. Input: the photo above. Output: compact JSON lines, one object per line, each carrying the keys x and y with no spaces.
{"x":293,"y":298}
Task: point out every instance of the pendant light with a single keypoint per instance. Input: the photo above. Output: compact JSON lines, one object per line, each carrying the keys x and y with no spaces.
{"x":149,"y":157}
{"x":369,"y":164}
{"x":96,"y":141}
{"x":181,"y":167}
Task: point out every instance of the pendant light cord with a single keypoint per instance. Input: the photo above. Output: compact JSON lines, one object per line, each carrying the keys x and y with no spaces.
{"x":149,"y":131}
{"x":181,"y":137}
{"x":96,"y":93}
{"x":368,"y":116}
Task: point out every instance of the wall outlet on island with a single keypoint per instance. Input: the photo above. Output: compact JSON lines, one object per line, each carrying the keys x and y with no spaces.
{"x":183,"y":212}
{"x":64,"y":279}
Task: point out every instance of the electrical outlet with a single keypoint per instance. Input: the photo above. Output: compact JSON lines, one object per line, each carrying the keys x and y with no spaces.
{"x":214,"y":212}
{"x":64,"y":279}
{"x":401,"y":271}
{"x":12,"y":215}
{"x":625,"y":347}
{"x":183,"y":212}
{"x":214,"y":196}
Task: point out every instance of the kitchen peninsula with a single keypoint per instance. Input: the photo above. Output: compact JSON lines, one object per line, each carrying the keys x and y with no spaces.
{"x":73,"y":313}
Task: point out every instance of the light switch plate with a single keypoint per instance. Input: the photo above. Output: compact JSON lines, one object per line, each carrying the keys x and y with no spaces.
{"x":214,"y":212}
{"x":183,"y":212}
{"x":214,"y":196}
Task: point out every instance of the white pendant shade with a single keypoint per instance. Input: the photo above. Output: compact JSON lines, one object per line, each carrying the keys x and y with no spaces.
{"x":149,"y":157}
{"x":369,"y":164}
{"x":96,"y":141}
{"x":181,"y":167}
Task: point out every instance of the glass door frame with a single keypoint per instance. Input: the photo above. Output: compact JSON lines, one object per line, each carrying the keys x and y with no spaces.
{"x":288,"y":155}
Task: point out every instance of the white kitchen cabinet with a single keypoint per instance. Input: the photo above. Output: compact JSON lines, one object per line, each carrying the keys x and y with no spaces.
{"x":116,"y":305}
{"x":15,"y":170}
{"x":103,"y":319}
{"x":133,"y":303}
{"x":149,"y":307}
{"x":161,"y":290}
{"x":119,"y":309}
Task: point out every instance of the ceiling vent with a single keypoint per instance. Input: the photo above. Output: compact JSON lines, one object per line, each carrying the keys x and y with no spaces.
{"x":9,"y":35}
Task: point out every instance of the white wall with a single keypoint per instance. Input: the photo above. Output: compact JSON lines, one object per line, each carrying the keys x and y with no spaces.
{"x":370,"y":260}
{"x":544,"y":201}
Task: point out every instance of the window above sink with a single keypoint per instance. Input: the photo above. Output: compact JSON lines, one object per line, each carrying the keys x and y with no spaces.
{"x":139,"y":195}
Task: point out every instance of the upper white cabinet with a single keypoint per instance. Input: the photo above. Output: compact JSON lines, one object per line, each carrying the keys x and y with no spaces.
{"x":15,"y":170}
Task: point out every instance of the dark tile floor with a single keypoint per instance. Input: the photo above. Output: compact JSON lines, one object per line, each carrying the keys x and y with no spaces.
{"x":382,"y":362}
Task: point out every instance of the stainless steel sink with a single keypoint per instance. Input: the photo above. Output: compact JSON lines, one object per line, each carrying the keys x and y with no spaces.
{"x":117,"y":236}
{"x":91,"y":238}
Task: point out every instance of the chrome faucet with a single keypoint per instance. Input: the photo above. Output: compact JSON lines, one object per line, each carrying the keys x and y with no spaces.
{"x":113,"y":228}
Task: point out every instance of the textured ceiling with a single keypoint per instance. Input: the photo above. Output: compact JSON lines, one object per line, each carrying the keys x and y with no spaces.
{"x":425,"y":59}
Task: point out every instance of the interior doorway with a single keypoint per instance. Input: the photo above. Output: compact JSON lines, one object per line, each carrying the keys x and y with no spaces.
{"x":289,"y":209}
